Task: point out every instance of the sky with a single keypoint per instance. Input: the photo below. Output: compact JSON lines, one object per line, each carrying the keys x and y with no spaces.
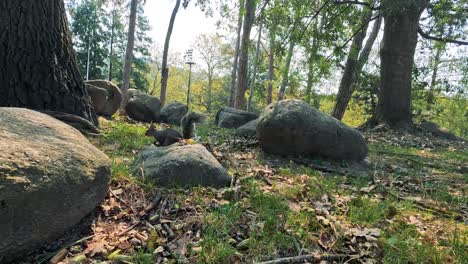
{"x":189,"y":23}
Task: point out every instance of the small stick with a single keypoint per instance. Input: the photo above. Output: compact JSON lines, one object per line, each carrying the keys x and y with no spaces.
{"x":309,"y":258}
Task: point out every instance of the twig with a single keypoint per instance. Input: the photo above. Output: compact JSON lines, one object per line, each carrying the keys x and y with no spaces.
{"x":120,"y":199}
{"x":310,"y":258}
{"x":319,"y":168}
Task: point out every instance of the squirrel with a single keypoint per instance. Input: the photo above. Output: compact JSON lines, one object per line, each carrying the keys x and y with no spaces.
{"x":170,"y":136}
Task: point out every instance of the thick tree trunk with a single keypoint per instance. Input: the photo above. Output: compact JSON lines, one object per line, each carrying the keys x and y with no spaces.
{"x":232,"y":86}
{"x":397,"y":58}
{"x":164,"y":68}
{"x":244,"y":54}
{"x":129,"y":54}
{"x":254,"y":74}
{"x":271,"y":68}
{"x":287,"y":66}
{"x":351,"y":70}
{"x":38,"y":68}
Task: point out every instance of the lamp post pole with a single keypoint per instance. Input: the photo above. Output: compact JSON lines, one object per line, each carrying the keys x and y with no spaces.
{"x":189,"y":61}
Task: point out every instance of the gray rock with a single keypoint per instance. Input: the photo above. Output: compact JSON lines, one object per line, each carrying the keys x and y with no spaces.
{"x":228,"y":117}
{"x":98,"y":98}
{"x":248,"y":130}
{"x":173,"y":112}
{"x":114,"y":96}
{"x":292,"y":127}
{"x":436,"y":130}
{"x":142,"y":107}
{"x":181,"y":165}
{"x":51,"y":176}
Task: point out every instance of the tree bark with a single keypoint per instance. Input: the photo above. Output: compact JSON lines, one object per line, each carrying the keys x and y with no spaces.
{"x":271,"y":68}
{"x":111,"y":50}
{"x":351,"y":70}
{"x":287,"y":66}
{"x":232,"y":87}
{"x":164,"y":69}
{"x":244,"y":54}
{"x":254,"y":74}
{"x":129,"y":54}
{"x":397,"y":58}
{"x":38,"y":69}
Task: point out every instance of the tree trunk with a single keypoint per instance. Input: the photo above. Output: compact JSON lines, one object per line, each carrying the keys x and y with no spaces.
{"x":164,"y":69}
{"x":254,"y":74}
{"x":397,"y":58}
{"x":111,"y":50}
{"x":351,"y":70}
{"x":38,"y":69}
{"x":129,"y":54}
{"x":244,"y":54}
{"x":435,"y":69}
{"x":232,"y":87}
{"x":310,"y":82}
{"x":287,"y":66}
{"x":271,"y":68}
{"x":209,"y":95}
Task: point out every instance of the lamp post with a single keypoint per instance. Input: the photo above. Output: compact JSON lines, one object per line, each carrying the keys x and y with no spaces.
{"x":189,"y":60}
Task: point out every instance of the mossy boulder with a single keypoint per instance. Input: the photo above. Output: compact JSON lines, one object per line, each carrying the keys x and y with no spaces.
{"x":293,"y":127}
{"x":142,"y":107}
{"x":173,"y":112}
{"x":248,"y":130}
{"x":51,"y":176}
{"x":114,"y":96}
{"x":229,"y":117}
{"x":181,"y":165}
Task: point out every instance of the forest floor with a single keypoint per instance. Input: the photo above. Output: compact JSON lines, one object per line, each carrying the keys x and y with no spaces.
{"x":406,"y":204}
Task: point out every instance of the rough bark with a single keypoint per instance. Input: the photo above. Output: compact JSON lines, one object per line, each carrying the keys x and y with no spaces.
{"x":164,"y":69}
{"x":209,"y":92}
{"x":129,"y":54}
{"x":287,"y":66}
{"x":254,"y":74}
{"x":244,"y":54}
{"x":38,"y":69}
{"x":232,"y":87}
{"x":397,"y":58}
{"x":351,"y":70}
{"x":310,"y":82}
{"x":271,"y":68}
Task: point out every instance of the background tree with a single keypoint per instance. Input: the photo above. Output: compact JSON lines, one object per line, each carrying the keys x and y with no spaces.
{"x":242,"y":81}
{"x":55,"y":83}
{"x":212,"y":52}
{"x":129,"y":53}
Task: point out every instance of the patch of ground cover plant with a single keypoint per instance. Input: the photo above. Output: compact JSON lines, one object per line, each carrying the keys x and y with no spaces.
{"x":410,"y":208}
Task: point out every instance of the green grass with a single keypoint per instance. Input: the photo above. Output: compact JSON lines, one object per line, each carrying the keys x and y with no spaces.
{"x":126,"y":138}
{"x":403,"y":245}
{"x":366,"y":211}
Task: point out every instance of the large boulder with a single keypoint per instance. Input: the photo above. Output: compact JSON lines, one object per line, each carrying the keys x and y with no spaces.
{"x":229,"y":117}
{"x":248,"y":130}
{"x":114,"y":96}
{"x":98,"y":98}
{"x":181,"y":165}
{"x":292,"y":127}
{"x":50,"y":178}
{"x":142,"y":107}
{"x":173,"y":112}
{"x":438,"y":131}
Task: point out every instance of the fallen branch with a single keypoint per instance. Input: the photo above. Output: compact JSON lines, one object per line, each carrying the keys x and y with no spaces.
{"x":319,"y":167}
{"x":310,"y":258}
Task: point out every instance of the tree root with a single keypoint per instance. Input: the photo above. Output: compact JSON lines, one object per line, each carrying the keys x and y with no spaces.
{"x":83,"y":125}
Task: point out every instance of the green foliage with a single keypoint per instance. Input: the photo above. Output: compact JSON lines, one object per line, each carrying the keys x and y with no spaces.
{"x":126,"y":138}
